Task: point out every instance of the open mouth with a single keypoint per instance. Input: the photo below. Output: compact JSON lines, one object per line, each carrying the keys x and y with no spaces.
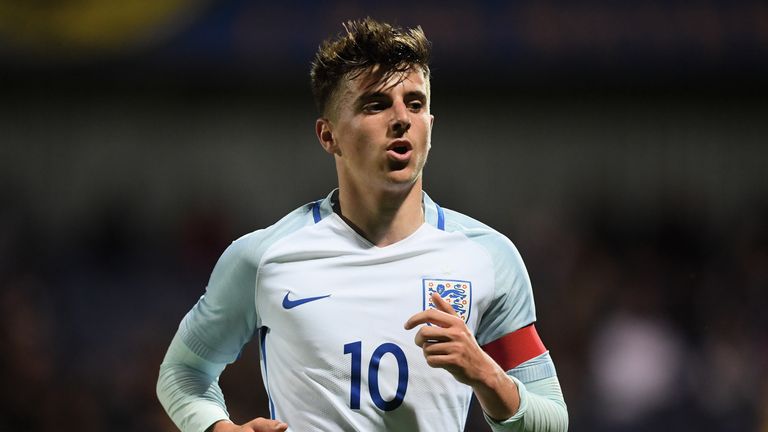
{"x":400,"y":147}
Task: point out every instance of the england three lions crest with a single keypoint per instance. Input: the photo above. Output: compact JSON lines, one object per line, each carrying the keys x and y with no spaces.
{"x":458,"y":293}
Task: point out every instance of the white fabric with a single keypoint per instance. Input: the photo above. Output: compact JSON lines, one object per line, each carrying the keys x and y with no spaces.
{"x":312,"y":350}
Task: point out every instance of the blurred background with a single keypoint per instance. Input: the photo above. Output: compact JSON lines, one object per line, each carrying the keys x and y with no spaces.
{"x":622,"y":146}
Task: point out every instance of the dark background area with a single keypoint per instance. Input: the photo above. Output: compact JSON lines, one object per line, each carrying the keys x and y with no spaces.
{"x":622,"y":146}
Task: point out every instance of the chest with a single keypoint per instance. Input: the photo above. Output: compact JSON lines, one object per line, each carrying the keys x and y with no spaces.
{"x":329,"y":291}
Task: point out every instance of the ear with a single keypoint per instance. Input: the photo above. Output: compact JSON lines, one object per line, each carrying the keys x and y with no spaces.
{"x":324,"y":132}
{"x":431,"y":123}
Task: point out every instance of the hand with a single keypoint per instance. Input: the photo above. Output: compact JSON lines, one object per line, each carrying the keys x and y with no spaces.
{"x":256,"y":425}
{"x":449,"y":344}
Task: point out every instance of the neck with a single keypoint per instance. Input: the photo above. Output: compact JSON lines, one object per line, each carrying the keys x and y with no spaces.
{"x":382,"y":217}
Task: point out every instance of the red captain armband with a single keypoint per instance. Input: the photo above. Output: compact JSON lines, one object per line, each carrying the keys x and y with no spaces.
{"x":516,"y":348}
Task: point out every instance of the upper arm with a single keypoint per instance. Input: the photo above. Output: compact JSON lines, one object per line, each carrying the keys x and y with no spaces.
{"x":506,"y":330}
{"x":224,"y":318}
{"x":512,"y":306}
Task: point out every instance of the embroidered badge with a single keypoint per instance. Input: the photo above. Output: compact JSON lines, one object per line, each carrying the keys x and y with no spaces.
{"x":457,"y":293}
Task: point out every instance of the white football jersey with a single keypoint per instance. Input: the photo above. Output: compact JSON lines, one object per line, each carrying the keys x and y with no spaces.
{"x":328,"y":309}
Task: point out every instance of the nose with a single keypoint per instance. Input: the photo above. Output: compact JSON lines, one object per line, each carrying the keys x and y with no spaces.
{"x":401,"y":122}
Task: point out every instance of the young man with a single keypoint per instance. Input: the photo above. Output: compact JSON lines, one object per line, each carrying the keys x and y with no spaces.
{"x":375,"y":309}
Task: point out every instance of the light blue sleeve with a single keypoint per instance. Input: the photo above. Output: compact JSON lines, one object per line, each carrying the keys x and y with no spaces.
{"x":512,"y":307}
{"x":214,"y":331}
{"x":209,"y":337}
{"x":542,"y":407}
{"x":188,"y":389}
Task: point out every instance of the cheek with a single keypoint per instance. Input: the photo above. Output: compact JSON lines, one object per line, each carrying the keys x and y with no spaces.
{"x":426,"y":132}
{"x":349,"y":138}
{"x":364,"y":138}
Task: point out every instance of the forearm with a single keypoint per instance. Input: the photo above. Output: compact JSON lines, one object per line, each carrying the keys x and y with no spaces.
{"x":541,"y":409}
{"x":188,"y":389}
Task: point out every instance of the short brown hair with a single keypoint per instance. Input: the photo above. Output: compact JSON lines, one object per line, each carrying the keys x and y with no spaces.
{"x":366,"y":43}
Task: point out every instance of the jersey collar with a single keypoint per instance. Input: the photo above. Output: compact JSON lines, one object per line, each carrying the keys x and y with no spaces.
{"x":433,"y":213}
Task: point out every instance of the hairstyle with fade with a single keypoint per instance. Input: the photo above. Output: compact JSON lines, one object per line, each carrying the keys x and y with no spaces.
{"x":365,"y":44}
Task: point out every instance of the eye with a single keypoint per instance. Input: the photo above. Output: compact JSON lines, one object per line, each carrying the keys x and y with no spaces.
{"x":374,"y":107}
{"x":415,"y":106}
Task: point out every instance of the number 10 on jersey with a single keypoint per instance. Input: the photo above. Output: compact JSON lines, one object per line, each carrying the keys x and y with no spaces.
{"x":356,"y":350}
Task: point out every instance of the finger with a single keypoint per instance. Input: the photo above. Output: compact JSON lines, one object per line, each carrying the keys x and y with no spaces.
{"x":436,"y":333}
{"x":430,"y":334}
{"x":432,"y":316}
{"x":440,"y":360}
{"x":443,"y":305}
{"x":267,"y":425}
{"x":439,"y":348}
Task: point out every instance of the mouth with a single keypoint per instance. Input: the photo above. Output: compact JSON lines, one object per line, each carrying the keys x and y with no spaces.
{"x":399,"y":149}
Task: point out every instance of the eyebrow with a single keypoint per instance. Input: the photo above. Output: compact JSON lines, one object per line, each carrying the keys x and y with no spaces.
{"x":417,"y":94}
{"x":373,"y":95}
{"x":413,"y":94}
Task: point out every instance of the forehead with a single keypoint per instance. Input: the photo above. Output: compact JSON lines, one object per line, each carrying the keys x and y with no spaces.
{"x":373,"y":81}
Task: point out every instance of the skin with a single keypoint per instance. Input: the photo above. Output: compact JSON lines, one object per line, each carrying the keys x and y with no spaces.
{"x":255,"y":425}
{"x":380,"y":191}
{"x":449,"y":344}
{"x":380,"y":197}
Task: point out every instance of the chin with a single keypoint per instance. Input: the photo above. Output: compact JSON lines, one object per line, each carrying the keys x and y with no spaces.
{"x":402,"y":180}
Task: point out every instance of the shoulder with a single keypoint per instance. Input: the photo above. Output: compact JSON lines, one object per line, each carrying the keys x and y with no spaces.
{"x":496,"y":244}
{"x":512,"y":306}
{"x":252,"y":246}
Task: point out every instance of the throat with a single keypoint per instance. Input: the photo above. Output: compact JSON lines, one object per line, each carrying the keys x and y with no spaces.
{"x":380,"y":221}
